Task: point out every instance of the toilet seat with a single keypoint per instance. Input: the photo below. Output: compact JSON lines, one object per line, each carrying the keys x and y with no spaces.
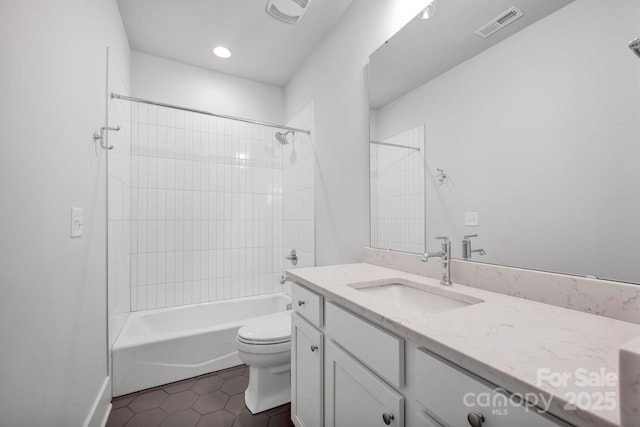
{"x":256,"y":342}
{"x":264,"y":349}
{"x":267,"y":330}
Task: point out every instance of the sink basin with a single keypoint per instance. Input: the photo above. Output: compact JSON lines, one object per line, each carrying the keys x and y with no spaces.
{"x":415,"y":297}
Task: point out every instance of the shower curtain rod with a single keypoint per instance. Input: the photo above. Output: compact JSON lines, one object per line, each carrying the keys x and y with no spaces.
{"x":192,"y":110}
{"x":395,"y":145}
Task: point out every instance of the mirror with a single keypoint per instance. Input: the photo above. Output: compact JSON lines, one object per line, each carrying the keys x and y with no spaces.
{"x":397,"y":183}
{"x":531,"y":135}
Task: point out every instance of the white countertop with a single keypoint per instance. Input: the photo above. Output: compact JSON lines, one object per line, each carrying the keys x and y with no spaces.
{"x":503,"y":339}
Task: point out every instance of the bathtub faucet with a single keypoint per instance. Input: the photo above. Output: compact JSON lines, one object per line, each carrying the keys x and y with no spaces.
{"x":284,"y":279}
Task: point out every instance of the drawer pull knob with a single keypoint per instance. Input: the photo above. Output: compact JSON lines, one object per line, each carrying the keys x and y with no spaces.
{"x":387,"y":417}
{"x":475,"y":419}
{"x":314,"y":348}
{"x":300,"y":303}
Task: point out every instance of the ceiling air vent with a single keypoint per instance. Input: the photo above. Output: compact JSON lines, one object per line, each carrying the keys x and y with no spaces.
{"x":500,"y":22}
{"x":289,"y":11}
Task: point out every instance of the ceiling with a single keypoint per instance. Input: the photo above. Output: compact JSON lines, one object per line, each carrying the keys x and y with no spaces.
{"x":425,"y":49}
{"x":263,"y":49}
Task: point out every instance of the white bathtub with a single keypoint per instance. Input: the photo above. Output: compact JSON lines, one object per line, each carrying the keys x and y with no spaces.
{"x":156,"y":347}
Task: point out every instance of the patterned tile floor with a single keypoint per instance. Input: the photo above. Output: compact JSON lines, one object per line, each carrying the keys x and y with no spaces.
{"x":212,"y":400}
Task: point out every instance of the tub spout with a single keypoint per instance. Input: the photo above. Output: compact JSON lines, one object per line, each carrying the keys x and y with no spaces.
{"x":284,"y":279}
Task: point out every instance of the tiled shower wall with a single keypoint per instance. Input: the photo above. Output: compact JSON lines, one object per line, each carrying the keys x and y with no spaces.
{"x":397,"y":193}
{"x":118,"y":205}
{"x":206,"y":208}
{"x":298,"y":165}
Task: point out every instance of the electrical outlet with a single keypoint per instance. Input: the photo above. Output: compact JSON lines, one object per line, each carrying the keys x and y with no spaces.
{"x":471,"y":219}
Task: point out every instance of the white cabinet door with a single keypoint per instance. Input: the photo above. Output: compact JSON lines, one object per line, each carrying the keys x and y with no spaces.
{"x":306,"y":373}
{"x":425,"y":420}
{"x":354,"y":397}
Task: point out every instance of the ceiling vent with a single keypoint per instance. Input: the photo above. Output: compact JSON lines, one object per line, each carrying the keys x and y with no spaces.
{"x":500,"y":22}
{"x":289,"y":11}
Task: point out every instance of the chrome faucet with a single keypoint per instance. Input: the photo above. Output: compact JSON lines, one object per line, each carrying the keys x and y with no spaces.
{"x":445,"y":255}
{"x":285,"y":278}
{"x":466,"y":247}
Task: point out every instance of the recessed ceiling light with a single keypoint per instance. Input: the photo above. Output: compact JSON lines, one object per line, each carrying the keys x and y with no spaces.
{"x":222,"y":52}
{"x":429,"y":10}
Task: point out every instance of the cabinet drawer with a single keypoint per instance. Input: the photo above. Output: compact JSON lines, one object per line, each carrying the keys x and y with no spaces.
{"x":307,"y":304}
{"x":379,"y":350}
{"x":450,"y":394}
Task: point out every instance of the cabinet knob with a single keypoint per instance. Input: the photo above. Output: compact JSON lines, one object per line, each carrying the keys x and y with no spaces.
{"x":475,"y":419}
{"x":314,"y":348}
{"x":387,"y":417}
{"x":300,"y":303}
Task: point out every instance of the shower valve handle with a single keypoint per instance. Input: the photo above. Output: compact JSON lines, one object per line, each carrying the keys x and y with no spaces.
{"x":293,"y":257}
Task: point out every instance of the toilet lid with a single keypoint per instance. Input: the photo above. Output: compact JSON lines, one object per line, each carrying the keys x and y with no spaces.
{"x":267,"y":329}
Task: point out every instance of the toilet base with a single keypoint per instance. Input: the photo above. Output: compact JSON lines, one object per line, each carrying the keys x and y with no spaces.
{"x":268,"y":387}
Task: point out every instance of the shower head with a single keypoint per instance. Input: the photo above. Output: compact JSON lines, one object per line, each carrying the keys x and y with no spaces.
{"x":634,"y":45}
{"x":282,"y":137}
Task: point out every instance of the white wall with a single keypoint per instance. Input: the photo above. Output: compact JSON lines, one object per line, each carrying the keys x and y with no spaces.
{"x":540,"y":138}
{"x":334,"y":78}
{"x":53,"y":308}
{"x":185,"y":85}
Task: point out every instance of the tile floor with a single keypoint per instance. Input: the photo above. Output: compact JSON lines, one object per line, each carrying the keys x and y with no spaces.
{"x":212,"y":400}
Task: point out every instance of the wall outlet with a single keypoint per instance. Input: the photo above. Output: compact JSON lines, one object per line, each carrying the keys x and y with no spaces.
{"x":76,"y":222}
{"x":471,"y":219}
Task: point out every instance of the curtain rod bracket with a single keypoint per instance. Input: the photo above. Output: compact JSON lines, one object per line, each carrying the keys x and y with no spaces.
{"x":101,"y":136}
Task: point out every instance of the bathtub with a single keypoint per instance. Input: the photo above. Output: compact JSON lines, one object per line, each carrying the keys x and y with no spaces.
{"x":156,"y":347}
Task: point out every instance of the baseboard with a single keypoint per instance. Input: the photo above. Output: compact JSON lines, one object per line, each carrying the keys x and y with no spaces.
{"x":101,"y":407}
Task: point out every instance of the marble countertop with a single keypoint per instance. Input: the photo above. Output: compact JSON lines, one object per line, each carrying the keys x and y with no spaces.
{"x":504,"y":339}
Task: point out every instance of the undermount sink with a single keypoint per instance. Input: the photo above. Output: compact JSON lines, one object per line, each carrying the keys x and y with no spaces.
{"x":415,"y":297}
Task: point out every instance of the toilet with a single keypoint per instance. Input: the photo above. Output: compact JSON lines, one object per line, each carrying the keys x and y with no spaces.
{"x":264,"y":344}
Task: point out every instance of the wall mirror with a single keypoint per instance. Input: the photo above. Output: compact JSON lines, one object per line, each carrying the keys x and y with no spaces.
{"x":528,"y":112}
{"x":397,"y":185}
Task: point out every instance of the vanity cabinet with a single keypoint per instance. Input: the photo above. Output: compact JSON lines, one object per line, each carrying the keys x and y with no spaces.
{"x":348,"y":371}
{"x":355,"y":397}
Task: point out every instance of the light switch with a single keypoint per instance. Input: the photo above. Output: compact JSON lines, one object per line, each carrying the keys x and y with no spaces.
{"x":76,"y":222}
{"x":471,"y":219}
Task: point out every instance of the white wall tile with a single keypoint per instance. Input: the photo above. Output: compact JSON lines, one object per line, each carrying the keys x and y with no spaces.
{"x":214,"y":202}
